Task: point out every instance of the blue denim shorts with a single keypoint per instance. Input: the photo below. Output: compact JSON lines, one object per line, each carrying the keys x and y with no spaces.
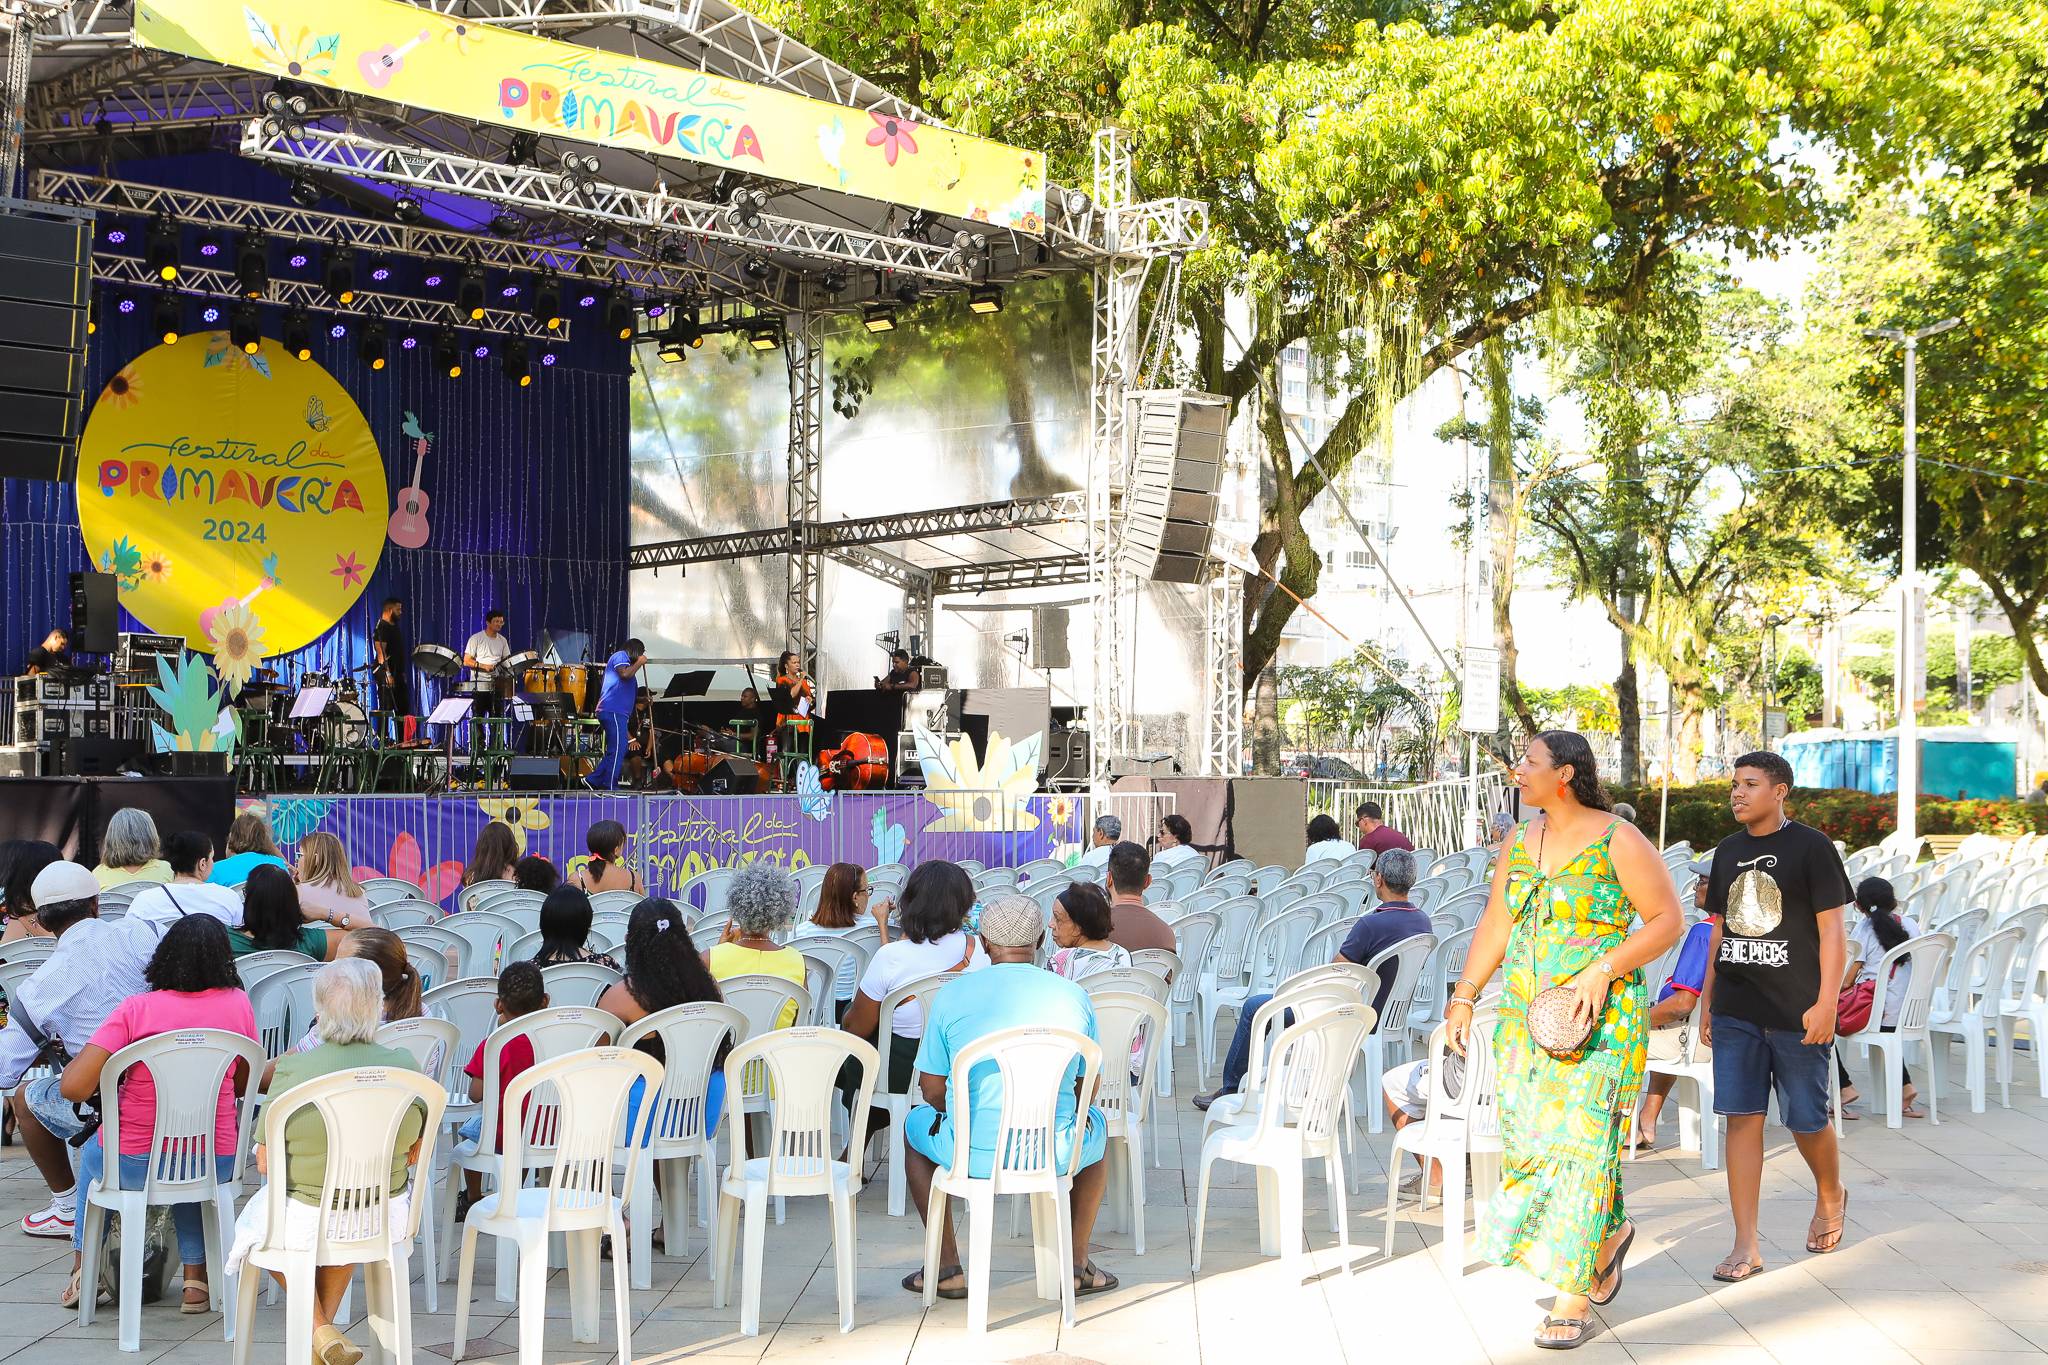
{"x":1748,"y":1060}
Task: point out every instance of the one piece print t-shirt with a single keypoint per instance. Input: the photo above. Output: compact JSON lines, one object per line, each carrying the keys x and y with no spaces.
{"x":1769,"y":893}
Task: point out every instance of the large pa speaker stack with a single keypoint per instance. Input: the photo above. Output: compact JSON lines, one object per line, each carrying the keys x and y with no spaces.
{"x":45,"y":294}
{"x":1176,"y":464}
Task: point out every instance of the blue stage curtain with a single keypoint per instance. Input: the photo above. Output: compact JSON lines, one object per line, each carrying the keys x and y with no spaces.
{"x":528,"y":487}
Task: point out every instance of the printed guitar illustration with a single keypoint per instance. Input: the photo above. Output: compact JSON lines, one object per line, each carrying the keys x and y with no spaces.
{"x":409,"y":520}
{"x":381,"y":64}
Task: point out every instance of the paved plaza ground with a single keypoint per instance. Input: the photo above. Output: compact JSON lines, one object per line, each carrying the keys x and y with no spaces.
{"x":1945,"y":1262}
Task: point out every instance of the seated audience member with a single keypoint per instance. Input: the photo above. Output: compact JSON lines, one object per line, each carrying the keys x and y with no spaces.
{"x":250,"y":845}
{"x":328,"y":890}
{"x":1498,"y":830}
{"x":535,"y":873}
{"x":192,"y":985}
{"x":385,"y":951}
{"x":932,"y":915}
{"x":1878,"y":928}
{"x":1673,"y":1010}
{"x":25,"y":861}
{"x":1080,"y":926}
{"x":842,"y":901}
{"x":1624,"y":811}
{"x":1325,"y":842}
{"x":762,"y":903}
{"x":607,"y":870}
{"x":1375,"y":833}
{"x":1391,"y":920}
{"x":130,"y":851}
{"x":663,"y":969}
{"x":1176,"y":845}
{"x":347,"y":1004}
{"x":1133,"y":925}
{"x":94,"y":966}
{"x":492,"y":858}
{"x":271,"y":918}
{"x":188,"y":892}
{"x":565,"y":930}
{"x":521,"y":991}
{"x":1009,"y":993}
{"x":1108,"y":830}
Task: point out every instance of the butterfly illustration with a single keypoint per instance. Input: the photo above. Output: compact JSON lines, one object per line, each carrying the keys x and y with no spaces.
{"x":316,"y":413}
{"x":811,"y":797}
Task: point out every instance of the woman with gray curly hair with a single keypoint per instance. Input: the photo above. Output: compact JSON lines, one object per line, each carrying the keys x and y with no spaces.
{"x":763,"y":905}
{"x":131,"y":850}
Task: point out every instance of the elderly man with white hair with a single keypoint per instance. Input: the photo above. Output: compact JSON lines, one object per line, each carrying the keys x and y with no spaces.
{"x":348,"y":1006}
{"x":1109,"y":831}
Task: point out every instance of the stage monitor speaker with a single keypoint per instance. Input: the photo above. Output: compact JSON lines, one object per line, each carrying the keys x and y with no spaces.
{"x":534,"y":773}
{"x":102,"y":757}
{"x":1066,"y":757}
{"x":731,"y":777}
{"x":93,"y":602}
{"x":1176,"y":450}
{"x":1049,"y":647}
{"x":45,"y":297}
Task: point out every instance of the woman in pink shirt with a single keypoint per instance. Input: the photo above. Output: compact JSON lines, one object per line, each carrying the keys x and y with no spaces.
{"x":192,"y":985}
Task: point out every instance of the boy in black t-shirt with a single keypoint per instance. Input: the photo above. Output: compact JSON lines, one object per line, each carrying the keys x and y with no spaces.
{"x":1776,"y":893}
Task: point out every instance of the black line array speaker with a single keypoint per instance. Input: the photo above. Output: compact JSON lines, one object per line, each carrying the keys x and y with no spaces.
{"x":1176,"y":463}
{"x":93,"y":600}
{"x":45,"y":297}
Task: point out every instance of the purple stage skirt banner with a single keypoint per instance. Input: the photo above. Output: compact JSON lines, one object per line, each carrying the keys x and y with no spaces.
{"x":428,"y":840}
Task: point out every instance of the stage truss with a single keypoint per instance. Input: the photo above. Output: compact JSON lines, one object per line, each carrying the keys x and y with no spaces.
{"x":657,"y":230}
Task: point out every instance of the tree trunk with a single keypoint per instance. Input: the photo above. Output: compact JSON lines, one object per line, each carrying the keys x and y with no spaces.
{"x":1503,"y":519}
{"x":1266,"y":722}
{"x":1628,"y":704}
{"x":1689,"y":743}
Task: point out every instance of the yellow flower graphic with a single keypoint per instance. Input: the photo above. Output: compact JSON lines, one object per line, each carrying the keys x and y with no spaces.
{"x":522,"y":813}
{"x":156,"y":566}
{"x":993,"y":796}
{"x":238,"y":645}
{"x":124,"y":390}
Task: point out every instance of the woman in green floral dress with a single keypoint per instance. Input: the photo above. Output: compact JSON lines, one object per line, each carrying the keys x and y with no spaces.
{"x":1565,"y":895}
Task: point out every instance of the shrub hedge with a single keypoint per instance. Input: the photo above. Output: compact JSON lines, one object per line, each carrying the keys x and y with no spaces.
{"x":1700,"y":814}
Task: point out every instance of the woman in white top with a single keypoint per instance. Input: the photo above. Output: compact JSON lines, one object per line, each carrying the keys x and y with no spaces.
{"x":1875,"y":930}
{"x":932,"y":916}
{"x":328,"y":890}
{"x":1080,"y":926}
{"x":1326,"y":841}
{"x":1176,"y":845}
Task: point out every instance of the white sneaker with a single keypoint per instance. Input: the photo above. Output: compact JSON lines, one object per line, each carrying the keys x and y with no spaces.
{"x":48,"y":1221}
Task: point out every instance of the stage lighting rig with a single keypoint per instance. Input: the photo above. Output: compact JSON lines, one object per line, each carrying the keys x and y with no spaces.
{"x":507,"y":224}
{"x":985,"y":298}
{"x":161,"y":248}
{"x":833,"y":281}
{"x":919,"y":221}
{"x":305,"y":193}
{"x":252,"y":266}
{"x":755,"y":268}
{"x":618,"y":313}
{"x":765,"y":333}
{"x":284,"y":115}
{"x":745,"y":207}
{"x":298,"y":334}
{"x":406,"y":209}
{"x":338,"y":275}
{"x":547,"y":303}
{"x":244,"y":330}
{"x":878,"y":317}
{"x":469,"y":291}
{"x":447,"y":355}
{"x":523,"y":149}
{"x":579,"y":174}
{"x":514,"y":362}
{"x":166,"y":318}
{"x":370,"y":343}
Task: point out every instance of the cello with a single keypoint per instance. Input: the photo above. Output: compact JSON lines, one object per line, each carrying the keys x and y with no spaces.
{"x":860,"y":763}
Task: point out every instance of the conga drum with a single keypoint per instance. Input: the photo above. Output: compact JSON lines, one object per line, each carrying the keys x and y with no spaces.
{"x":573,"y":681}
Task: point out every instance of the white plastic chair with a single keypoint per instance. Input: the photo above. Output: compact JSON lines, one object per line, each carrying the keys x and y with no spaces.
{"x":2026,"y":997}
{"x":1926,"y":958}
{"x":1972,"y":1013}
{"x":420,"y":1037}
{"x":115,"y":900}
{"x":1034,"y":1066}
{"x":1455,"y":1131}
{"x":1300,"y":1115}
{"x":801,"y":1066}
{"x":253,"y":967}
{"x":363,"y":1111}
{"x":708,"y":889}
{"x":485,"y":931}
{"x":623,"y":901}
{"x":579,"y":1200}
{"x":690,"y":1036}
{"x":33,"y":948}
{"x":189,"y":1067}
{"x":1304,"y":995}
{"x":379,"y":890}
{"x":476,"y":893}
{"x":1698,"y":1128}
{"x":899,"y":1103}
{"x":844,"y":963}
{"x":1193,"y":933}
{"x":1132,"y":1026}
{"x":1390,"y":1035}
{"x":1269,"y":957}
{"x":406,"y":914}
{"x":519,"y":904}
{"x":438,"y":955}
{"x":283,"y":1005}
{"x":578,"y":983}
{"x":1322,"y":945}
{"x":1445,"y":966}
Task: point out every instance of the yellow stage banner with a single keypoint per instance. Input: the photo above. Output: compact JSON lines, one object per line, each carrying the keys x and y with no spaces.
{"x":238,"y":499}
{"x":409,"y":55}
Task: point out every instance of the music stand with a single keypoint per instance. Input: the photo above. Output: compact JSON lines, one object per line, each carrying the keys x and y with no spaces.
{"x":449,"y":713}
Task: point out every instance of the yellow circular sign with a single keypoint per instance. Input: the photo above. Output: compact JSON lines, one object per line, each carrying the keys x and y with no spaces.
{"x":239,"y":499}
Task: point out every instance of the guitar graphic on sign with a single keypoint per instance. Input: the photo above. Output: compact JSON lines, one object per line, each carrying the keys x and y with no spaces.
{"x":379,"y":65}
{"x":409,"y":519}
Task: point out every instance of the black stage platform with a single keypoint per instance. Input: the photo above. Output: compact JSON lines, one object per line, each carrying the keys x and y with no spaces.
{"x":72,"y":812}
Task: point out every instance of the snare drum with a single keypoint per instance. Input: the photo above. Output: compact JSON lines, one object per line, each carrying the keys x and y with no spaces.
{"x":315,"y":679}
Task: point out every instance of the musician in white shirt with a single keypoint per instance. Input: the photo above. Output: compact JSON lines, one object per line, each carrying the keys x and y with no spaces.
{"x":488,"y":647}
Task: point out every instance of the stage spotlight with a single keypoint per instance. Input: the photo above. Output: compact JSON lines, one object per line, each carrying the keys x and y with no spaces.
{"x":907,"y":293}
{"x":469,"y":291}
{"x":755,"y":267}
{"x":252,"y":267}
{"x":380,"y":273}
{"x":680,"y":337}
{"x":764,"y":334}
{"x":298,"y":260}
{"x":513,"y":363}
{"x":339,"y":274}
{"x":370,"y":344}
{"x":125,"y":307}
{"x":656,"y":309}
{"x":285,"y":115}
{"x":618,"y":314}
{"x":833,"y":281}
{"x":210,"y":314}
{"x":298,"y":334}
{"x":547,"y":359}
{"x":92,"y":318}
{"x":166,"y":318}
{"x":209,"y":247}
{"x":745,"y":208}
{"x":579,"y":174}
{"x":162,"y":248}
{"x":878,"y":317}
{"x":117,"y":235}
{"x":521,"y":150}
{"x":987,"y":298}
{"x":592,"y":240}
{"x":447,"y":355}
{"x":547,"y":303}
{"x":305,"y":193}
{"x":919,"y":220}
{"x":405,"y":208}
{"x":243,"y":329}
{"x":506,"y":223}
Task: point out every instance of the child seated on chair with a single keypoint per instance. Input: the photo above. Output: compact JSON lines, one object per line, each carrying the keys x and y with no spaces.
{"x":520,"y":993}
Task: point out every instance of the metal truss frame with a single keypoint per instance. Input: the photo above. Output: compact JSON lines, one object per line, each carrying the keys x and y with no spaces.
{"x":968,"y":579}
{"x":1222,"y":753}
{"x":839,"y":538}
{"x":803,"y":348}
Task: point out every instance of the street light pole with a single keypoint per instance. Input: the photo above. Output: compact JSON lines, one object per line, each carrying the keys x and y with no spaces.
{"x":1907,"y":686}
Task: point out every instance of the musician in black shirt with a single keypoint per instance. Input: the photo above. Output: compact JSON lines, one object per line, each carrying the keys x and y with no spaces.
{"x":393,"y":671}
{"x":901,"y":677}
{"x":53,"y":655}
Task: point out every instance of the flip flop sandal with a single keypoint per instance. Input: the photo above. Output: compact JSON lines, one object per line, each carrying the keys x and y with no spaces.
{"x":69,"y":1298}
{"x":1749,"y":1268}
{"x":914,"y":1282}
{"x":1819,"y":1228}
{"x":1084,"y":1284}
{"x":1615,"y":1268}
{"x":1585,"y":1329}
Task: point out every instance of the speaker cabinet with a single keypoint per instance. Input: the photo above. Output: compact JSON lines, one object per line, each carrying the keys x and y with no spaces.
{"x":1049,"y":646}
{"x":45,"y":294}
{"x":1176,"y":449}
{"x":93,"y":603}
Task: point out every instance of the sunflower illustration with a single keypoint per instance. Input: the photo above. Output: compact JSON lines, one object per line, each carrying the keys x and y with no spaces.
{"x":238,"y":645}
{"x":992,"y":796}
{"x":124,"y":390}
{"x":156,"y":566}
{"x":522,"y":813}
